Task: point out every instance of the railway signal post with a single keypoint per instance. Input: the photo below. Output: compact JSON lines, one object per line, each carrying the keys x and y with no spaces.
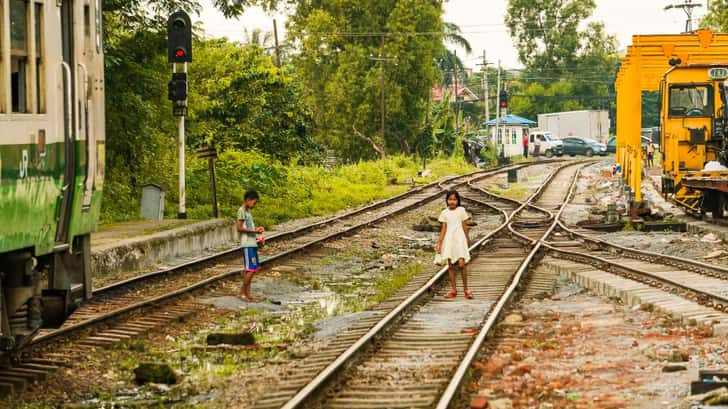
{"x":179,"y":50}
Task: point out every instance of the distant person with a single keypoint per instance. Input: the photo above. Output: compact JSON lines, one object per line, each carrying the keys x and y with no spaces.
{"x":249,"y":242}
{"x":452,"y":247}
{"x":650,"y":155}
{"x":525,"y":145}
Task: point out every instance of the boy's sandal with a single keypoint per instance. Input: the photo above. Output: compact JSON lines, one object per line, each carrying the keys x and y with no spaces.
{"x":468,"y":294}
{"x":451,"y":294}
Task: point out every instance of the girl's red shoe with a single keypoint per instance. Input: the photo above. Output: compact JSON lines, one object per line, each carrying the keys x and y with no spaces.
{"x":451,"y":294}
{"x":468,"y":295}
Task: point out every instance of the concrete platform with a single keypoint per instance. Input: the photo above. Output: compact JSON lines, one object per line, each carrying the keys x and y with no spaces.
{"x":138,"y":245}
{"x":633,"y":293}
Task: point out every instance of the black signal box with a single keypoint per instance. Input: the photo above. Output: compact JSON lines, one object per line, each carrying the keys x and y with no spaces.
{"x":179,"y":37}
{"x":177,"y":88}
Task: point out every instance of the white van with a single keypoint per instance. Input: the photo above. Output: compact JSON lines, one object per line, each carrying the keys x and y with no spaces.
{"x":548,"y":144}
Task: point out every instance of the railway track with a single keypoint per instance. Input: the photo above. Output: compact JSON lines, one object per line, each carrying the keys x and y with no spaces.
{"x":407,"y":356}
{"x":157,"y":287}
{"x":147,"y":293}
{"x":703,"y":283}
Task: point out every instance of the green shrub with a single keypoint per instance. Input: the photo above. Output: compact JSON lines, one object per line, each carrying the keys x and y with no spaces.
{"x":287,"y":191}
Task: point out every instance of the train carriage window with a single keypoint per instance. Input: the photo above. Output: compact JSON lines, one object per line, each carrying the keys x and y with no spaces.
{"x":99,"y":33}
{"x":691,"y":100}
{"x":2,"y":57}
{"x":19,"y":37}
{"x":86,"y":28}
{"x":39,"y":57}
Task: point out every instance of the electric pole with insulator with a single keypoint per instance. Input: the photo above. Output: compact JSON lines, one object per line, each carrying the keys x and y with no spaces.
{"x":688,"y":7}
{"x":486,"y":94}
{"x":382,"y":58}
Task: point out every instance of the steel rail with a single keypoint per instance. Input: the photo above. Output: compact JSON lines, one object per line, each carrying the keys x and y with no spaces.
{"x":717,"y":301}
{"x":480,"y":174}
{"x":461,"y":372}
{"x":157,"y":300}
{"x":323,"y":378}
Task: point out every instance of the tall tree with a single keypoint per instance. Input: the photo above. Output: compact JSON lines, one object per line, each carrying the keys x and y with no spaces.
{"x":717,"y":17}
{"x":258,"y":37}
{"x":341,"y":44}
{"x":546,"y":32}
{"x":566,"y":67}
{"x":449,"y":60}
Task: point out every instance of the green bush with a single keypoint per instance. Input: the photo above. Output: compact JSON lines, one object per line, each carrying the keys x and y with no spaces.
{"x":296,"y":191}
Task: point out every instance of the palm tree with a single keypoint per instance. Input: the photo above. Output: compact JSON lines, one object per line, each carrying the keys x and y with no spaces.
{"x":263,"y":39}
{"x":449,"y":61}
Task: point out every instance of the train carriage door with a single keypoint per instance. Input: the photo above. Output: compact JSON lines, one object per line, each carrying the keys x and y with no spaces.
{"x":69,"y":116}
{"x":87,"y":130}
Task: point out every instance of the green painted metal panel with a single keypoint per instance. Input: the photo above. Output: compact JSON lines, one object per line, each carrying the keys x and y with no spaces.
{"x":30,"y":193}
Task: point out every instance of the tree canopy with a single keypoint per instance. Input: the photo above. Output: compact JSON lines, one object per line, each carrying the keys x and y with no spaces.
{"x":567,"y":67}
{"x":342,"y":44}
{"x":717,"y":17}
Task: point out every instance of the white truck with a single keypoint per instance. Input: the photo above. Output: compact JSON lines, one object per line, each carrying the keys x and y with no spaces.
{"x":589,"y":124}
{"x":547,"y":143}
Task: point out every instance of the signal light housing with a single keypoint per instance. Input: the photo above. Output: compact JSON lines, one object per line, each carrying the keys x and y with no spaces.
{"x":503,"y":99}
{"x":177,"y":88}
{"x":179,"y":37}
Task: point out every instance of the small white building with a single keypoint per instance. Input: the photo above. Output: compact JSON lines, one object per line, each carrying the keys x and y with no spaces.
{"x":508,"y":134}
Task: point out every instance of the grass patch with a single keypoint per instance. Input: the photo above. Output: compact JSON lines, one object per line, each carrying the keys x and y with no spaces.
{"x":514,"y":192}
{"x":288,"y":190}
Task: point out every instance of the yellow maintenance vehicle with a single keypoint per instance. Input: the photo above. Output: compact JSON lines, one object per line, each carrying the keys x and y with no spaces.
{"x":694,"y":127}
{"x":690,"y":71}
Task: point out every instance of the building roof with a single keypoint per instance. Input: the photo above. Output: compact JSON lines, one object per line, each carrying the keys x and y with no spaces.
{"x":464,"y":94}
{"x":511,"y":120}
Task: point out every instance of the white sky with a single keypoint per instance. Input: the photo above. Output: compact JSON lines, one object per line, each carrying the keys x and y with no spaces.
{"x":482,"y":23}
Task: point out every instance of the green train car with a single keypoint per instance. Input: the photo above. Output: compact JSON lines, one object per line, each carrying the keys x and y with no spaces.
{"x":51,"y":161}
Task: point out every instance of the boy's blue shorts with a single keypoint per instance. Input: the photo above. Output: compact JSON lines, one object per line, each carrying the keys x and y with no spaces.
{"x":251,"y":262}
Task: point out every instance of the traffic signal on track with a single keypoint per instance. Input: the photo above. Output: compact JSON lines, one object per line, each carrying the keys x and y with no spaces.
{"x":177,"y":88}
{"x":503,"y":99}
{"x":179,"y":37}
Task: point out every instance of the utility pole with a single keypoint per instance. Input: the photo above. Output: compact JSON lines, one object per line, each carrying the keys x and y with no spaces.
{"x":457,"y":104}
{"x":486,"y":94}
{"x":278,"y":49}
{"x":498,"y":111}
{"x":504,"y":114}
{"x":687,"y":7}
{"x":383,"y":58}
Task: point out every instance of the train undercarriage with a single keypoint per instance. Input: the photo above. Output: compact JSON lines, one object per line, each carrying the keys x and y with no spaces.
{"x":40,"y":292}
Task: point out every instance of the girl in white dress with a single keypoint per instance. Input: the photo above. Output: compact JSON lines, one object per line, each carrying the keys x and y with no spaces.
{"x":453,"y":244}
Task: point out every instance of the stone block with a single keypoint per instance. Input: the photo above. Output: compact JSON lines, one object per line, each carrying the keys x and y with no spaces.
{"x":244,"y":338}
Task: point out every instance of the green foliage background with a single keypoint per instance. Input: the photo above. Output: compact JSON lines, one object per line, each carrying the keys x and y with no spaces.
{"x":273,"y":125}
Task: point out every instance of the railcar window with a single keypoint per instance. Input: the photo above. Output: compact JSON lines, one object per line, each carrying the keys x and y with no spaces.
{"x":86,"y":28}
{"x":19,"y":55}
{"x":39,"y":57}
{"x":99,"y":33}
{"x":691,"y":101}
{"x":2,"y":58}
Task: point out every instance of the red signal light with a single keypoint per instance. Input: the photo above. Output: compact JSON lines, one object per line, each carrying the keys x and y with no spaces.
{"x":180,"y":53}
{"x":504,"y":104}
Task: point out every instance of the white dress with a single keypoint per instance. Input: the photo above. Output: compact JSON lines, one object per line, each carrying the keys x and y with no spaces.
{"x":455,"y":243}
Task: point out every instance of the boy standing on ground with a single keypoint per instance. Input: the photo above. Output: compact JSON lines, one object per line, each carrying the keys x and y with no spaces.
{"x":246,"y":226}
